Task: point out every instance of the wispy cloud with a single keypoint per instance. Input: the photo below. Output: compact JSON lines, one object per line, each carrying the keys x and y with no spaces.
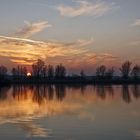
{"x":85,"y":8}
{"x":136,"y":22}
{"x":32,"y":28}
{"x":26,"y":51}
{"x":73,"y":55}
{"x":135,"y":43}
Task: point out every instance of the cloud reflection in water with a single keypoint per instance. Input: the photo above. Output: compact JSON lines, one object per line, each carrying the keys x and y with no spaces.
{"x":22,"y":105}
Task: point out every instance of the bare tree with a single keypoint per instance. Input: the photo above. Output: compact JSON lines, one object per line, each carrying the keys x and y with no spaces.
{"x":82,"y":74}
{"x":50,"y":72}
{"x":60,"y":71}
{"x":3,"y":71}
{"x":44,"y":72}
{"x":110,"y":72}
{"x":37,"y":68}
{"x":14,"y":72}
{"x":24,"y":71}
{"x":135,"y":71}
{"x":100,"y":71}
{"x":125,"y":69}
{"x":19,"y":72}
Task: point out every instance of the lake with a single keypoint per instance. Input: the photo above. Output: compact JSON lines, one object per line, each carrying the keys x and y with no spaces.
{"x":73,"y":112}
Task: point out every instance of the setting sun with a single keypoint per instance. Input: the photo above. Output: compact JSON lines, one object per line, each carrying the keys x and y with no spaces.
{"x":29,"y":74}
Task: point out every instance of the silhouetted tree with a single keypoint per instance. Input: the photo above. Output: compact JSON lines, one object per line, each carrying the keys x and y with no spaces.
{"x":60,"y":71}
{"x":3,"y":71}
{"x":37,"y":68}
{"x":14,"y":72}
{"x":82,"y":74}
{"x":110,"y":72}
{"x":44,"y":72}
{"x":19,"y":72}
{"x":135,"y":71}
{"x":100,"y":71}
{"x":50,"y":72}
{"x":24,"y":71}
{"x":125,"y":69}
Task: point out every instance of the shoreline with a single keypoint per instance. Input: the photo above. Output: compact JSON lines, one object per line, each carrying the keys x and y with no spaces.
{"x":73,"y":82}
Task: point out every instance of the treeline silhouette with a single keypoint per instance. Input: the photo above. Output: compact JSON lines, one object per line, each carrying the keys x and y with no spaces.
{"x":42,"y":73}
{"x":39,"y":93}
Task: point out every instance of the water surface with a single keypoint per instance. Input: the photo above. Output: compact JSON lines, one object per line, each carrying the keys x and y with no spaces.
{"x":58,"y":112}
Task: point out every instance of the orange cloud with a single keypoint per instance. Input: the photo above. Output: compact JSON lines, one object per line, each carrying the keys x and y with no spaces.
{"x":73,"y":55}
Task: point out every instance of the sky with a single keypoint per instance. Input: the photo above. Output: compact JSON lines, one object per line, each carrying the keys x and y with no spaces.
{"x":81,"y":34}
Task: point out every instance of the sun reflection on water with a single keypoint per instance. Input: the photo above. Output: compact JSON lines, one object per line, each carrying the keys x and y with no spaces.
{"x":22,"y":105}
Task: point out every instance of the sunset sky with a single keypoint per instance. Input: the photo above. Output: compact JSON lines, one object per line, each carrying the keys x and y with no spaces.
{"x":81,"y":34}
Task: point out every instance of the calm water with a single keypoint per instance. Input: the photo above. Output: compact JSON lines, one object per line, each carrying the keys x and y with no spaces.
{"x":70,"y":112}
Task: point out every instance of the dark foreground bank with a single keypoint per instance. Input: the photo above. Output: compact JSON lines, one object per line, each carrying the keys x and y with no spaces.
{"x":69,"y":80}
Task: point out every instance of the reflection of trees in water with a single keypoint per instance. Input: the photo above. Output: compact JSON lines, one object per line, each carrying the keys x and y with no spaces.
{"x":20,"y":92}
{"x":3,"y":92}
{"x":60,"y":92}
{"x":50,"y":92}
{"x":100,"y":90}
{"x":110,"y":90}
{"x":136,"y":91}
{"x":41,"y":93}
{"x":126,"y":94}
{"x":83,"y":88}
